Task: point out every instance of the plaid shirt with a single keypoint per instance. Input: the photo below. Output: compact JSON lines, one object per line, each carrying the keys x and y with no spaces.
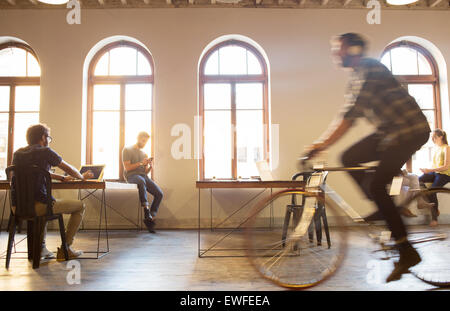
{"x":375,"y":94}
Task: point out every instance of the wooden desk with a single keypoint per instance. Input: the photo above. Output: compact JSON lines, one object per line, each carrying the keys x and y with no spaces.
{"x":83,"y":185}
{"x":235,"y":184}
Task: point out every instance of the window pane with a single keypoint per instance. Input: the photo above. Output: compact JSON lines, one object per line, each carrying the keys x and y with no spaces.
{"x":254,"y":67}
{"x":429,"y":114}
{"x":233,"y":60}
{"x":138,"y":96}
{"x":144,"y":67}
{"x":217,"y":147}
{"x":105,"y":142}
{"x":34,"y":70}
{"x":123,"y":61}
{"x":4,"y":98}
{"x":13,"y":62}
{"x":3,"y":143}
{"x":107,"y":97}
{"x":101,"y":69}
{"x":424,"y":66}
{"x":22,"y":121}
{"x":423,"y":93}
{"x":386,"y":60}
{"x":249,"y":136}
{"x":27,"y":98}
{"x":217,"y":96}
{"x":135,"y":122}
{"x":249,"y":96}
{"x":212,"y":64}
{"x":404,"y":61}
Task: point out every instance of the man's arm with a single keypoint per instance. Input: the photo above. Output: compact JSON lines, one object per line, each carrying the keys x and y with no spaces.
{"x":69,"y":169}
{"x":131,"y":167}
{"x":332,"y":135}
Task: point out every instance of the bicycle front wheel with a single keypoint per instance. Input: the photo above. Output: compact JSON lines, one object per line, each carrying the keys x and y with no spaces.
{"x":432,"y":244}
{"x":291,"y":249}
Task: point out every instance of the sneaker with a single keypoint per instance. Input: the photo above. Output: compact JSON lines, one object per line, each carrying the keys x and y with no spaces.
{"x":408,"y":258}
{"x":150,"y":224}
{"x":433,"y":223}
{"x":72,"y":253}
{"x":46,"y":254}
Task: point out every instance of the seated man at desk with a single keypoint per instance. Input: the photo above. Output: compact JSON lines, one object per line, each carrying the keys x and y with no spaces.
{"x":39,"y":153}
{"x":137,"y":166}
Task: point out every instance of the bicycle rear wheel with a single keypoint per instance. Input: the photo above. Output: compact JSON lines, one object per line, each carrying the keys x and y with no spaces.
{"x":433,"y":245}
{"x":289,"y":250}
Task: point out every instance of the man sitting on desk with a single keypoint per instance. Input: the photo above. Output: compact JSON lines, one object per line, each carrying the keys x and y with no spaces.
{"x":40,"y":154}
{"x":137,"y":166}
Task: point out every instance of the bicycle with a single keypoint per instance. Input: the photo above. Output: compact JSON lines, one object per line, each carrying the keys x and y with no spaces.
{"x":287,"y":255}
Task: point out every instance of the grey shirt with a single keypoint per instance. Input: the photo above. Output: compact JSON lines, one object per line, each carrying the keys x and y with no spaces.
{"x":133,"y":155}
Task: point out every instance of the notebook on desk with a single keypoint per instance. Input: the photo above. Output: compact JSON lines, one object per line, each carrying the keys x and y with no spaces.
{"x":97,"y":170}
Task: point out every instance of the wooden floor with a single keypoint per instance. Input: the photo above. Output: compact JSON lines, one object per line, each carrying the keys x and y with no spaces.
{"x":169,"y":260}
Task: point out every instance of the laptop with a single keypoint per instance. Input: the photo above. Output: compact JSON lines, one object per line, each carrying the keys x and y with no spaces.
{"x":97,"y":170}
{"x":264,"y":170}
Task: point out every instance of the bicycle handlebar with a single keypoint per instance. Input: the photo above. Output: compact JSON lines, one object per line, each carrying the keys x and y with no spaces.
{"x":306,"y":166}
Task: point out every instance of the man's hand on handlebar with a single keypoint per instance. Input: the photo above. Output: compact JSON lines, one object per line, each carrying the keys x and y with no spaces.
{"x":312,"y":150}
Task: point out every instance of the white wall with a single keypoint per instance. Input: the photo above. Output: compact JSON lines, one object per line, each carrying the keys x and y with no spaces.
{"x":306,"y":89}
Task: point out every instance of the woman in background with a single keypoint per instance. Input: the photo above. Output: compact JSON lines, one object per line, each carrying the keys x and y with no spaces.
{"x":439,"y":173}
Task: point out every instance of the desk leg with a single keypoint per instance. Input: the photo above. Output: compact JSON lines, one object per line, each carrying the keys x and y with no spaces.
{"x":199,"y":228}
{"x":103,"y":211}
{"x":211,"y":207}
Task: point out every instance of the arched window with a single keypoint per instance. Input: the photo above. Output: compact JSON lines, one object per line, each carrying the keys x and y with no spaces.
{"x":416,"y":69}
{"x":234,"y":109}
{"x":120,"y":101}
{"x":19,"y":98}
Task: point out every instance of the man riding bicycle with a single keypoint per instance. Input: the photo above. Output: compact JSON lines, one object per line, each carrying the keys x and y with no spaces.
{"x":401,"y":129}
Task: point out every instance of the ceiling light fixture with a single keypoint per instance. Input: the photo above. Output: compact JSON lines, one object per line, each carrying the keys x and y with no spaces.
{"x":401,"y":2}
{"x":54,"y":2}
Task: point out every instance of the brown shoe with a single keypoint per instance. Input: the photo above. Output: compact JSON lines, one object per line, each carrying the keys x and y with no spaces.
{"x":72,"y":253}
{"x":406,"y":212}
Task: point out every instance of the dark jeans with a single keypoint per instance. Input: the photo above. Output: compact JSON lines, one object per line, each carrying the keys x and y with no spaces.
{"x":438,"y":180}
{"x":390,"y":163}
{"x":146,"y":184}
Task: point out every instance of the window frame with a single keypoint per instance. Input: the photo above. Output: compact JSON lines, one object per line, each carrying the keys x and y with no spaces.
{"x":13,"y":82}
{"x":121,"y":80}
{"x":233,"y":80}
{"x":432,"y":79}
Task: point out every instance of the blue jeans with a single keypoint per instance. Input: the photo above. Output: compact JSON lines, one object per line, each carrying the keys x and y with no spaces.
{"x":146,"y":184}
{"x":438,"y":180}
